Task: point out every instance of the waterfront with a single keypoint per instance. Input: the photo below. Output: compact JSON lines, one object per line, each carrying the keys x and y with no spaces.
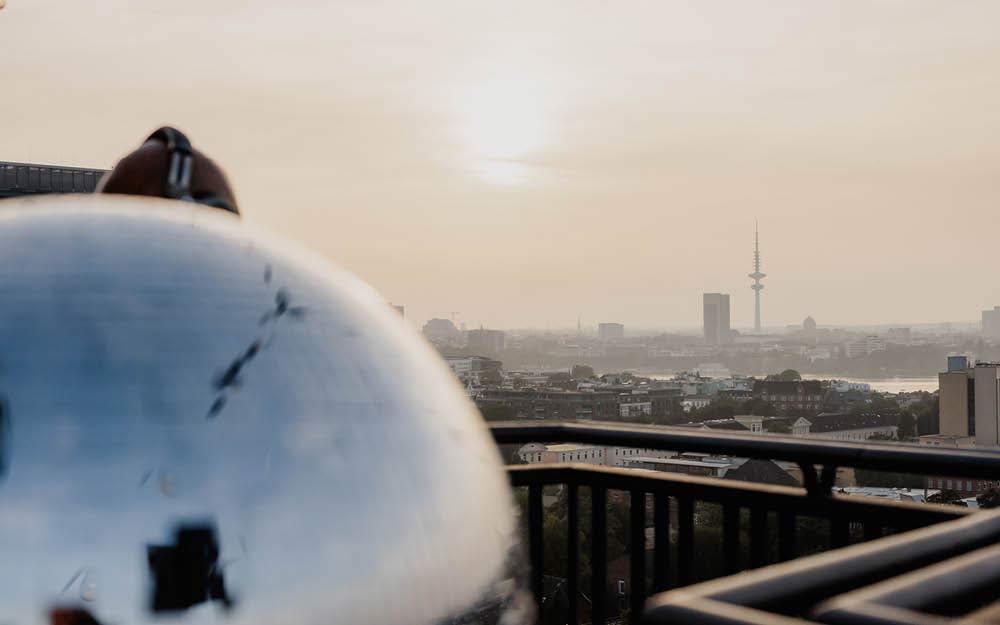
{"x":882,"y":385}
{"x":887,"y":385}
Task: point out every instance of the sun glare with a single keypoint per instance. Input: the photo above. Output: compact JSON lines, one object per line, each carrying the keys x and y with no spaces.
{"x":502,"y":119}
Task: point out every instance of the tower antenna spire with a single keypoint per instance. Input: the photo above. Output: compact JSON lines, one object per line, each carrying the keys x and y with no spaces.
{"x":756,"y":276}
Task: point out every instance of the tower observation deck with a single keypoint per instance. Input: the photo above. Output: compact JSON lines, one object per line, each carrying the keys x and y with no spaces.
{"x":757,"y":275}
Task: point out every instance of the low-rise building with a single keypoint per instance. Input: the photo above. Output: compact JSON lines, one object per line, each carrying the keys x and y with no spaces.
{"x":865,"y":346}
{"x":791,"y":395}
{"x":476,"y":370}
{"x":611,"y":456}
{"x":553,"y":403}
{"x":952,"y":441}
{"x":847,"y":426}
{"x":487,"y":341}
{"x":694,"y":402}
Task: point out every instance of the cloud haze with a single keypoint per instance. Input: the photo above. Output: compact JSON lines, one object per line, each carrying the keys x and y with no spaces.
{"x":526,"y":164}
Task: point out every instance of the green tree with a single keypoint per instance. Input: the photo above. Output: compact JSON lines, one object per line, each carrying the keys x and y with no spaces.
{"x":989,"y":499}
{"x":949,"y":497}
{"x":757,"y":406}
{"x":582,"y":372}
{"x":788,"y":375}
{"x":907,"y":425}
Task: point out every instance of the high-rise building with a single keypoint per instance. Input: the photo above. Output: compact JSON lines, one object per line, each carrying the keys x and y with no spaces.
{"x":716,"y":318}
{"x":957,"y":411}
{"x":865,"y":346}
{"x":991,"y":323}
{"x":969,"y":401}
{"x":757,"y":276}
{"x":610,"y":331}
{"x":986,"y":377}
{"x":486,"y":341}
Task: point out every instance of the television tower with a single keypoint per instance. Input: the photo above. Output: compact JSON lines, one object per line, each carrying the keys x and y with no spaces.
{"x":756,"y":275}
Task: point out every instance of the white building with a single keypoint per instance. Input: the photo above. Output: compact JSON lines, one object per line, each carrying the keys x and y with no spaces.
{"x":864,"y":347}
{"x":844,"y":427}
{"x":844,"y":386}
{"x":636,"y":406}
{"x":536,"y":453}
{"x":694,"y":402}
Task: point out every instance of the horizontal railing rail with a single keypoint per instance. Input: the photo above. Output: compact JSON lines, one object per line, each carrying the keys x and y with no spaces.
{"x":756,"y":519}
{"x":792,"y":588}
{"x":890,"y":457}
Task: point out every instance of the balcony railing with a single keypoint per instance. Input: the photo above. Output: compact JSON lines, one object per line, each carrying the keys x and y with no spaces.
{"x":760,"y":528}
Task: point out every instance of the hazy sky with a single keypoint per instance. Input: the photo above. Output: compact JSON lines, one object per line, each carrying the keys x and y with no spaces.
{"x":523,"y":163}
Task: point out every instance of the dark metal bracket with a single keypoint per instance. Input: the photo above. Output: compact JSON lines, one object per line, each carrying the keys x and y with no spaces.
{"x":818,"y":485}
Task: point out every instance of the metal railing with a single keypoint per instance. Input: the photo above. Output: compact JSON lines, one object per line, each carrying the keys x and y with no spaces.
{"x":17,"y":179}
{"x":760,"y":523}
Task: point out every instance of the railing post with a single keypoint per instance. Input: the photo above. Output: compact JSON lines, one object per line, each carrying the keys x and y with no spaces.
{"x":637,"y":552}
{"x":840,"y":532}
{"x":535,"y":530}
{"x":572,"y":549}
{"x":731,"y":539}
{"x":685,"y":541}
{"x":787,"y":549}
{"x":871,"y":530}
{"x":758,"y":537}
{"x":599,"y":553}
{"x":661,"y":529}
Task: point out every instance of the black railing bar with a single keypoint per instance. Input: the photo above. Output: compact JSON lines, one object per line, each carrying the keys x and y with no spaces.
{"x":731,"y":558}
{"x":715,"y":490}
{"x":685,"y":540}
{"x":944,"y":587}
{"x":871,"y":530}
{"x":759,"y":543}
{"x":830,"y":573}
{"x":787,"y":536}
{"x":536,"y":530}
{"x":598,"y":553}
{"x":572,"y":548}
{"x":696,"y":610}
{"x":637,"y":550}
{"x":895,"y":457}
{"x":840,"y":532}
{"x":661,"y":538}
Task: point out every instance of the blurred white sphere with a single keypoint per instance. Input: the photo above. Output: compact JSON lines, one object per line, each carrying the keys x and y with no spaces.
{"x":163,"y":366}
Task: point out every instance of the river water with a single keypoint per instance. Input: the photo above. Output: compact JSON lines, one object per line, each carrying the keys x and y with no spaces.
{"x":883,"y":385}
{"x":888,"y":385}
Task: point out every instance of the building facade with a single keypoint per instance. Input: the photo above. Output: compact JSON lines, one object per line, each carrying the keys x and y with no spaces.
{"x":991,"y":323}
{"x":986,"y":379}
{"x":847,"y":426}
{"x":716,"y":318}
{"x":957,"y":403}
{"x":865,"y":346}
{"x":487,"y":341}
{"x":476,"y":370}
{"x":790,"y":395}
{"x":610,"y":331}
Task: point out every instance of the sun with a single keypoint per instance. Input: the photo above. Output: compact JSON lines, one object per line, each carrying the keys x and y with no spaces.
{"x":502,"y":118}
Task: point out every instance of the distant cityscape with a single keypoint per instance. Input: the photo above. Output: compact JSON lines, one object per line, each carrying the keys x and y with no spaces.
{"x":720,"y":350}
{"x":806,"y":380}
